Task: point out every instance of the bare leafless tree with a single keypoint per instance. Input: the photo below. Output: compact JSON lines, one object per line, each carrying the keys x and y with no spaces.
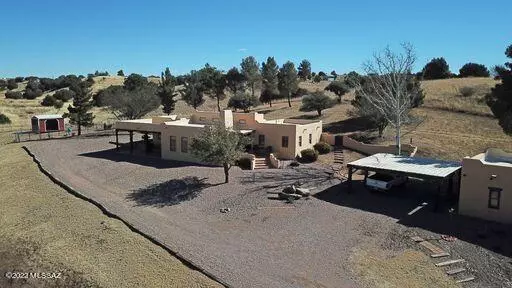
{"x":386,"y":86}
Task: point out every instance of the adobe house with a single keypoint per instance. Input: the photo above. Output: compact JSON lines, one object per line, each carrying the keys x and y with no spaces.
{"x":285,"y":138}
{"x":486,"y":186}
{"x":47,"y":123}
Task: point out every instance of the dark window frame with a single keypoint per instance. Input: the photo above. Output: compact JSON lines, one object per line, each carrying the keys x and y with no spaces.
{"x":184,"y":147}
{"x":300,"y":141}
{"x":284,"y":141}
{"x":491,"y":191}
{"x":310,"y":138}
{"x":171,"y":141}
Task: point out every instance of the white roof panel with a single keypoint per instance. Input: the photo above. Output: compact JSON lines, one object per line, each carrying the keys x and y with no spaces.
{"x":412,"y":165}
{"x":50,"y":116}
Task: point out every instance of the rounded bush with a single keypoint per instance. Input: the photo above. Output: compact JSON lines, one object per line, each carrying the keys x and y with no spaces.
{"x":244,"y":163}
{"x":64,"y":95}
{"x":467,"y":91}
{"x":4,"y":119}
{"x":308,"y":155}
{"x":322,"y":147}
{"x":48,"y":100}
{"x":13,"y":95}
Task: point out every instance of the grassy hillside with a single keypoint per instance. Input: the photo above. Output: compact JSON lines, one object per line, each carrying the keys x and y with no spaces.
{"x":451,"y":127}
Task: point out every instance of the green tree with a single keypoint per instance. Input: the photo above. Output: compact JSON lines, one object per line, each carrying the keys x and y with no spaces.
{"x":167,"y":92}
{"x":193,"y":92}
{"x":288,"y":81}
{"x":213,"y":82}
{"x":339,"y":88}
{"x":243,"y":101}
{"x":132,"y":104}
{"x":270,"y":80}
{"x":437,"y":68}
{"x":251,"y":72}
{"x":78,"y":112}
{"x":120,"y":73}
{"x":235,"y":80}
{"x":304,"y":70}
{"x":11,"y":84}
{"x":219,"y":145}
{"x":134,"y":81}
{"x":500,"y":98}
{"x":474,"y":70}
{"x":317,"y":101}
{"x":33,"y":90}
{"x":352,"y":79}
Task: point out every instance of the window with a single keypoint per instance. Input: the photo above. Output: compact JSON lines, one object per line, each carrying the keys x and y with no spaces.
{"x":494,"y":198}
{"x":184,"y":144}
{"x":284,"y":141}
{"x":300,"y":141}
{"x":310,"y":138}
{"x":241,"y":122}
{"x":172,"y":143}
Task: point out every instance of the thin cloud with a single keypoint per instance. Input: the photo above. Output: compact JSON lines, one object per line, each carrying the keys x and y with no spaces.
{"x":242,"y":50}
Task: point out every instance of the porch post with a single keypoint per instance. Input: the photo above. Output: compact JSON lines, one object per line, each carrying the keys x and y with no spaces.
{"x":131,"y":141}
{"x":117,"y":140}
{"x":146,"y":141}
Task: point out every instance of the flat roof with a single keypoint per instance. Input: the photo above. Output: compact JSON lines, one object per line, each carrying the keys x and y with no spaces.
{"x":407,"y":165}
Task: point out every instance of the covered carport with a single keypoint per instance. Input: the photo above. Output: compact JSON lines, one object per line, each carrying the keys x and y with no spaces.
{"x":438,"y":171}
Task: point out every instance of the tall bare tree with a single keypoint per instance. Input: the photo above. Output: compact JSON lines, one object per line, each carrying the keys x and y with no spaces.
{"x":387,"y":89}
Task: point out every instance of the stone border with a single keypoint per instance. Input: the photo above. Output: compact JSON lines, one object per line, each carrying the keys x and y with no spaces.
{"x":189,"y":263}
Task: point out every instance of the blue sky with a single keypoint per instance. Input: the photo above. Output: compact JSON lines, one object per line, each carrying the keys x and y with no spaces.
{"x":54,"y":37}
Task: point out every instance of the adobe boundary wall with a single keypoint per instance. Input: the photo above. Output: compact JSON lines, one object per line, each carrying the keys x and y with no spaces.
{"x":368,"y":149}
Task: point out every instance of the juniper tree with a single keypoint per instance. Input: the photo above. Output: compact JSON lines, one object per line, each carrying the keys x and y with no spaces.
{"x":193,"y":92}
{"x":167,"y":92}
{"x":500,"y":98}
{"x":78,"y":112}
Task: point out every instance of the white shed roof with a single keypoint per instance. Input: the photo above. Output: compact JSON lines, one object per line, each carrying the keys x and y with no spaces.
{"x":407,"y":165}
{"x":50,"y":116}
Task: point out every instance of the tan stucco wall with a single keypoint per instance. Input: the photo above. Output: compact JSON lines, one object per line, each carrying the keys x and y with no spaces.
{"x":178,"y":132}
{"x":315,"y":129}
{"x":370,"y":149}
{"x":474,"y":190}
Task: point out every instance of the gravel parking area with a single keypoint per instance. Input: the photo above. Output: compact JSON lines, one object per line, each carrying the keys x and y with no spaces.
{"x":261,"y":241}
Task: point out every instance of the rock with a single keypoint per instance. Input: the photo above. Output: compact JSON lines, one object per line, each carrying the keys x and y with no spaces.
{"x":224,"y":210}
{"x":289,"y":190}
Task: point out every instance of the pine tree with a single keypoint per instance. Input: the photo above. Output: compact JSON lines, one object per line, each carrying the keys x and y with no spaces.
{"x":500,"y":98}
{"x":270,"y":80}
{"x":166,"y":91}
{"x":288,"y":81}
{"x":305,"y":70}
{"x":78,"y":112}
{"x":251,"y":72}
{"x":193,"y":94}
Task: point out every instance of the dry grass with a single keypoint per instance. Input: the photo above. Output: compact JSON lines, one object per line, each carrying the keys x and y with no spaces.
{"x":445,"y":95}
{"x":408,"y":269}
{"x":50,"y":229}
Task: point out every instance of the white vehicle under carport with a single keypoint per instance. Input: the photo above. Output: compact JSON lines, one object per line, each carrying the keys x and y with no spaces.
{"x":384,"y":182}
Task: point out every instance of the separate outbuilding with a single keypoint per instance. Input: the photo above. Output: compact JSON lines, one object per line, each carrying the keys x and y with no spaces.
{"x":423,"y":168}
{"x":47,"y":123}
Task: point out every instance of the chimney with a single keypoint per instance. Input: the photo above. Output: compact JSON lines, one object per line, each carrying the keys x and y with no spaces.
{"x":226,"y":117}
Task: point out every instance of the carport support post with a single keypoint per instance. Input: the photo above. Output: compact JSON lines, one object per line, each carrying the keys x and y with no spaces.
{"x":349,"y":179}
{"x":117,"y":140}
{"x":131,"y":141}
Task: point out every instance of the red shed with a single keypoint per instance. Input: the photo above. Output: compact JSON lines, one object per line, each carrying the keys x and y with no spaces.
{"x":47,"y":123}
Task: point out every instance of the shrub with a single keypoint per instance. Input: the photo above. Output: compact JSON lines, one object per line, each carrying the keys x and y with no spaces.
{"x":19,"y":79}
{"x":49,"y":100}
{"x":244,"y":163}
{"x":11,"y":84}
{"x":474,"y":70}
{"x":300,"y":92}
{"x":437,"y":68}
{"x":64,"y":95}
{"x":13,"y":95}
{"x":32,"y":94}
{"x":4,"y":119}
{"x":322,"y":147}
{"x":242,"y":101}
{"x":58,"y":104}
{"x":467,"y":91}
{"x":308,"y":155}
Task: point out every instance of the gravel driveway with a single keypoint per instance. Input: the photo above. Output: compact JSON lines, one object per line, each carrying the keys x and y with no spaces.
{"x":260,"y":242}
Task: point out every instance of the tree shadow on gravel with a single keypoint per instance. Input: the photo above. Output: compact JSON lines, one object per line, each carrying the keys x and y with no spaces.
{"x":274,"y":180}
{"x":169,"y":193}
